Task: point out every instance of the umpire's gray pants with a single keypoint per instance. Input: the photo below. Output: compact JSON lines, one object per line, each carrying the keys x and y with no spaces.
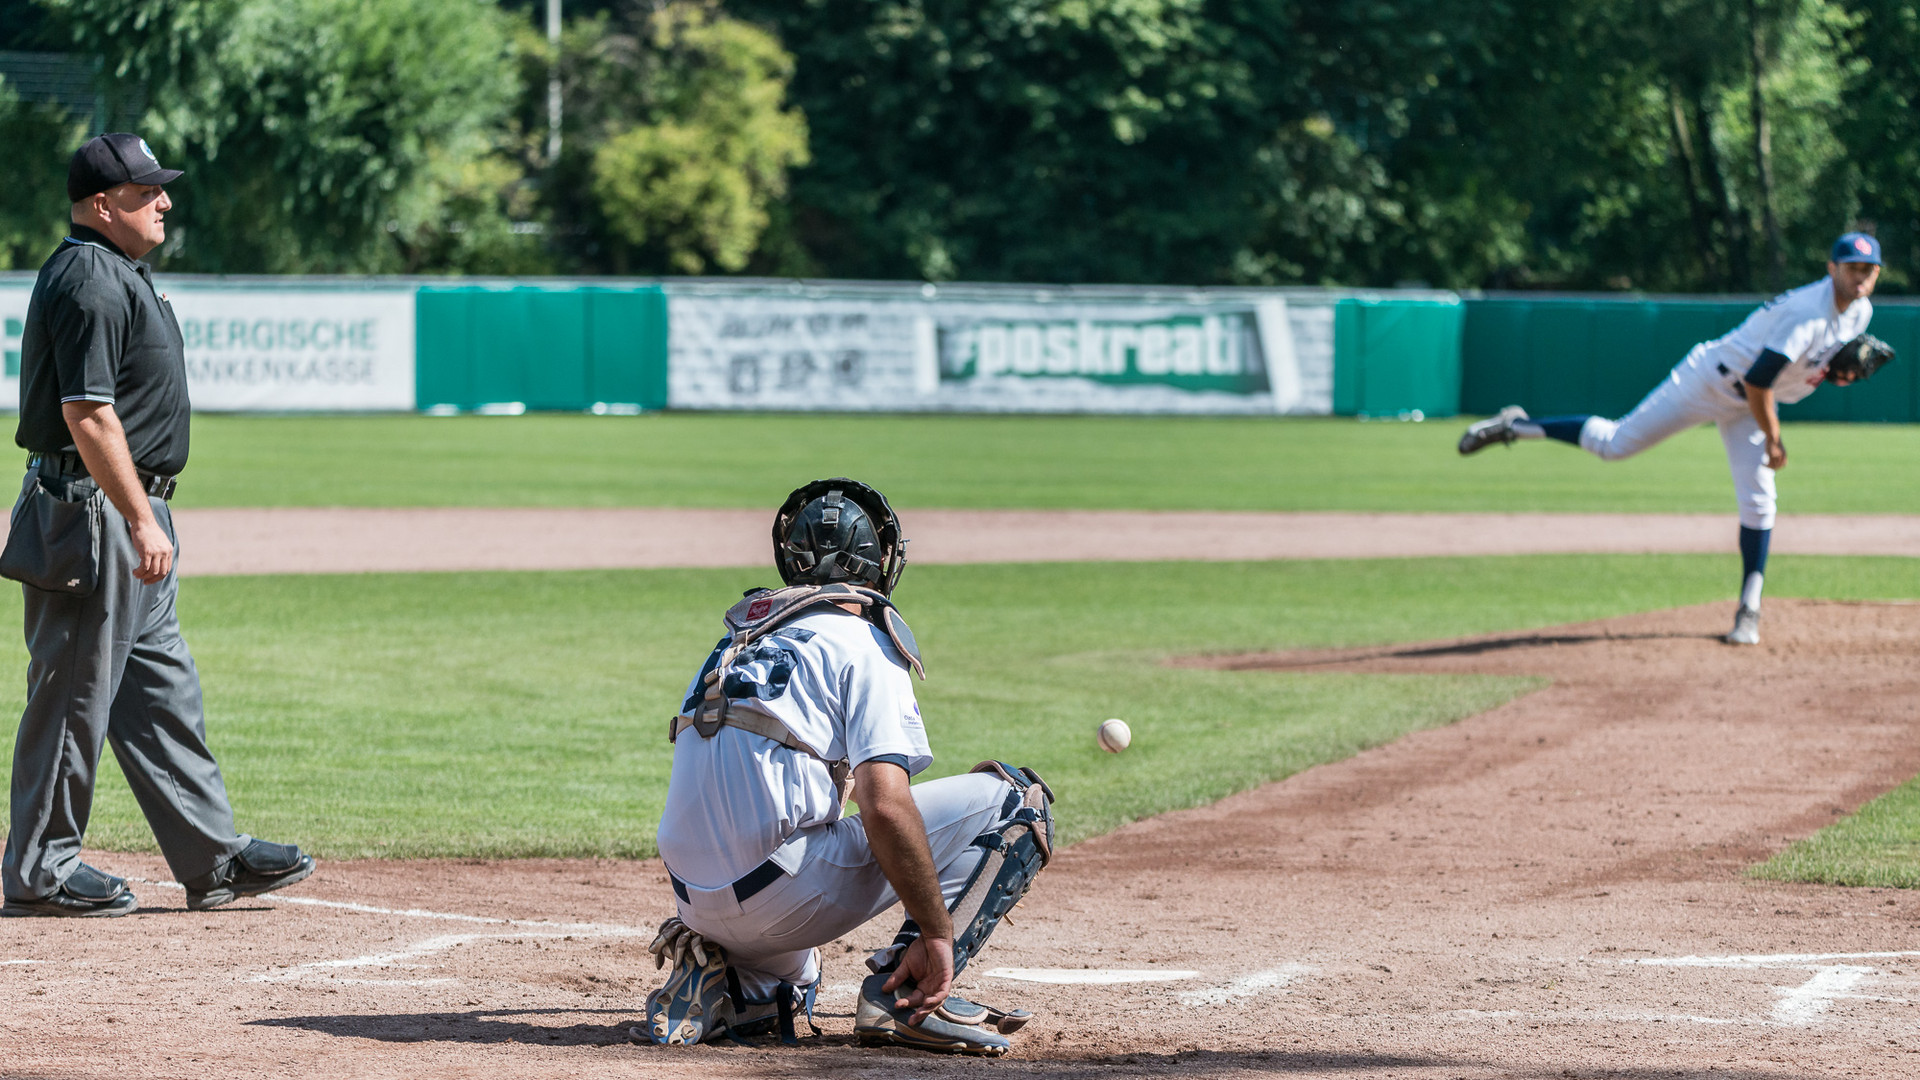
{"x":771,"y":938}
{"x":112,"y":666}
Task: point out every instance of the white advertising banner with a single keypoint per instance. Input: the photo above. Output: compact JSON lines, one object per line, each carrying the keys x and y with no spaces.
{"x":272,"y":349}
{"x":1244,"y":353}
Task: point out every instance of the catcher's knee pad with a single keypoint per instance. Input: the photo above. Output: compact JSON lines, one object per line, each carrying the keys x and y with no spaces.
{"x":1015,"y":850}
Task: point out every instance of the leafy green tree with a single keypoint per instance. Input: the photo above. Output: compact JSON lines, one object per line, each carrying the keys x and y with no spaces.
{"x":1091,"y":140}
{"x":677,"y":141}
{"x":1881,"y":128}
{"x":320,"y":135}
{"x":39,"y":139}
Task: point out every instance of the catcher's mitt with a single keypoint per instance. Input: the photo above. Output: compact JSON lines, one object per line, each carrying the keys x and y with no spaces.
{"x":1860,"y":357}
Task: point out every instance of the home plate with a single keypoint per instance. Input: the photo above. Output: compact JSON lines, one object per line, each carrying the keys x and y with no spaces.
{"x":1091,"y":976}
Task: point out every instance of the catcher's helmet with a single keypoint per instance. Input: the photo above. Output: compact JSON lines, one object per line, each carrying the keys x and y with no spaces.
{"x":838,"y":530}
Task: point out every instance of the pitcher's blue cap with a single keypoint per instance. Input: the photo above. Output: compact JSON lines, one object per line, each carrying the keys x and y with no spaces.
{"x":1856,"y":247}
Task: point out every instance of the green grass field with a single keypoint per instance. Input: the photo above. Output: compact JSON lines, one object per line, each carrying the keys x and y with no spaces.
{"x":1154,"y":463}
{"x":524,"y":714}
{"x":1879,"y":846}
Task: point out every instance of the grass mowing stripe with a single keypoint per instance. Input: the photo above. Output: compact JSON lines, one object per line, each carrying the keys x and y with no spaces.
{"x":1039,"y":462}
{"x":524,"y":714}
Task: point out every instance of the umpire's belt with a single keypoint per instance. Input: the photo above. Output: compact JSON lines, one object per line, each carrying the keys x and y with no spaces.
{"x":755,"y":879}
{"x":67,"y":465}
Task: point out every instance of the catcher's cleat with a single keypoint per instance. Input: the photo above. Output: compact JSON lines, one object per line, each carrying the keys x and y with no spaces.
{"x":877,"y":1022}
{"x":694,"y":1005}
{"x":1746,"y":627}
{"x":973,"y":1014}
{"x":1499,"y":429}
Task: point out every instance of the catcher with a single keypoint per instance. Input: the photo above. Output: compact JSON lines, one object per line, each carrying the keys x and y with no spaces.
{"x":807,"y":701}
{"x":1784,"y":350}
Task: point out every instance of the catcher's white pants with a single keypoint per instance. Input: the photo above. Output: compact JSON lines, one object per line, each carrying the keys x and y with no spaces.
{"x":770,"y":939}
{"x":1687,"y":397}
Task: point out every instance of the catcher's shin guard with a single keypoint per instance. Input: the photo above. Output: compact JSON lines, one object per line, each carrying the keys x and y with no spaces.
{"x":1016,"y":850}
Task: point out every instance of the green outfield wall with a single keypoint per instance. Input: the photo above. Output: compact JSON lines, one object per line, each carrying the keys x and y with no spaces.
{"x":621,"y":346}
{"x":1394,"y":356}
{"x":1602,"y":354}
{"x":558,"y":348}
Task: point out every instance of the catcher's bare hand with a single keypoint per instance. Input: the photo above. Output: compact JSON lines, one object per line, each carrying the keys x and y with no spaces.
{"x":675,"y":942}
{"x":926,"y":973}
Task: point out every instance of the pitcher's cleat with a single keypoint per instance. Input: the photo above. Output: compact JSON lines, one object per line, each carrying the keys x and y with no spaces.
{"x":1499,"y":429}
{"x":694,"y":1005}
{"x":877,"y":1022}
{"x":1746,"y":627}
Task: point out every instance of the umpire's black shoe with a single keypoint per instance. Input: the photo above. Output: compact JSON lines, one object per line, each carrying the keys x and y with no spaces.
{"x":260,"y":868}
{"x":86,"y":894}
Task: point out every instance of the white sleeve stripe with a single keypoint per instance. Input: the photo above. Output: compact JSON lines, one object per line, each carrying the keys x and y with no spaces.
{"x":88,"y":397}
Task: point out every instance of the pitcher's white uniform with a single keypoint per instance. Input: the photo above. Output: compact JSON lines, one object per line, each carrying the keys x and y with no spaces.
{"x":1801,"y":325}
{"x":739,"y":800}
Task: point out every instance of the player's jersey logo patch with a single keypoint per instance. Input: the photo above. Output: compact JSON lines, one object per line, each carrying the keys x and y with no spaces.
{"x":762,"y":671}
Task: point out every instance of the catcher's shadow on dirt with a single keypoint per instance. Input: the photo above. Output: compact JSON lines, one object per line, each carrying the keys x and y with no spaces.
{"x":476,"y":1026}
{"x":764,"y":1058}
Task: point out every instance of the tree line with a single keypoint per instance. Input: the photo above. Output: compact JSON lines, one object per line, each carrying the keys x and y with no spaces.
{"x":1658,"y":145}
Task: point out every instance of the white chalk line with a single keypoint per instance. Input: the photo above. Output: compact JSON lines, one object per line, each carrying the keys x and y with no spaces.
{"x":417,"y":913}
{"x":517,"y":929}
{"x":444,"y":942}
{"x":1246,"y":986}
{"x":1594,"y":1017}
{"x":1091,"y":976}
{"x":1771,"y":959}
{"x":4,"y":963}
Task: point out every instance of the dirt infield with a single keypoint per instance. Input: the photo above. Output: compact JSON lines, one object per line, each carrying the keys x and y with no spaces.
{"x":302,"y":541}
{"x":1549,"y":889}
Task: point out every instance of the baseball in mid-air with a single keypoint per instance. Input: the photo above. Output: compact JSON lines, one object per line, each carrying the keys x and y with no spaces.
{"x":1115,"y":735}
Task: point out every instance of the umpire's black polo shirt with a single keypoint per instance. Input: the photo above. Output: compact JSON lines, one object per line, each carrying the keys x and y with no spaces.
{"x":97,"y":331}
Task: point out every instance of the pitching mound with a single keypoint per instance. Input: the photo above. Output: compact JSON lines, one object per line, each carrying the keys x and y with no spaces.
{"x":1552,"y":888}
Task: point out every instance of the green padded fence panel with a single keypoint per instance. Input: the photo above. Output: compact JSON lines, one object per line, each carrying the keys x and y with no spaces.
{"x":554,"y":348}
{"x":627,"y":346}
{"x":1560,"y":355}
{"x":1395,"y":356}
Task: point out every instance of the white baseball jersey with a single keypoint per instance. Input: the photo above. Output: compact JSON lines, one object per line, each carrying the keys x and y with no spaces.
{"x":1800,"y":325}
{"x":736,"y":800}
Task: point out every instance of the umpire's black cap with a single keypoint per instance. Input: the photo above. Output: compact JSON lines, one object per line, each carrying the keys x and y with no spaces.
{"x":107,"y":161}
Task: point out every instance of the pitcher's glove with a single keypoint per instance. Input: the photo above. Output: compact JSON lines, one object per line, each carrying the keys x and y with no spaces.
{"x":675,"y":943}
{"x":1860,"y":357}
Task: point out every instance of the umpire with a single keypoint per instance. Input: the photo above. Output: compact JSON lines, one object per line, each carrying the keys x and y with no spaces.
{"x":104,"y":414}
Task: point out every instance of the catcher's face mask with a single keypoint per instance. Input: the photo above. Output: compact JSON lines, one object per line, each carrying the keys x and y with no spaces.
{"x":838,"y":530}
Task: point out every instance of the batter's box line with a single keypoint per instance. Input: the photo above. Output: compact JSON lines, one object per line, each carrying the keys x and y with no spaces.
{"x":594,"y":929}
{"x":433,"y":945}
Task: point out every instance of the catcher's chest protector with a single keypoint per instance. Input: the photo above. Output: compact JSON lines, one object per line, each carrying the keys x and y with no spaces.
{"x":757,"y":616}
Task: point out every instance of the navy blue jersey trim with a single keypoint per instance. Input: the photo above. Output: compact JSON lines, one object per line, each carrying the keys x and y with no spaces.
{"x":1766,"y":369}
